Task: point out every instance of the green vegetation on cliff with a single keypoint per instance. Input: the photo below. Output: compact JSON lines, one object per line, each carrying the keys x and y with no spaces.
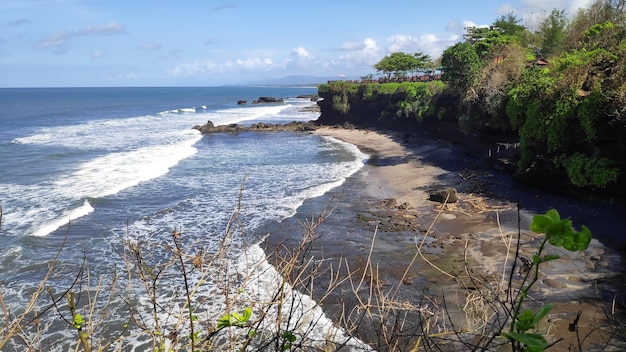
{"x":560,"y":90}
{"x":405,"y":100}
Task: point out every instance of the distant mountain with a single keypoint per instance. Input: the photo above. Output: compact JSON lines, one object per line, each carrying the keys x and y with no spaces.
{"x":300,"y":80}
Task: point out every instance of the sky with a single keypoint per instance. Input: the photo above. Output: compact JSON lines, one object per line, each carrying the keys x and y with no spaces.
{"x":89,"y":43}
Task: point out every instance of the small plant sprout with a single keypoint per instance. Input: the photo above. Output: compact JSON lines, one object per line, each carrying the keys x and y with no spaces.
{"x":557,"y":232}
{"x":235,"y":319}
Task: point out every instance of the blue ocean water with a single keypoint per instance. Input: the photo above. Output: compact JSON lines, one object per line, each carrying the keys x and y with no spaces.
{"x":97,"y":164}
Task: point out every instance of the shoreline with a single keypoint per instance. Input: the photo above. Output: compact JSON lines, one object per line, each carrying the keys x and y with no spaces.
{"x":388,"y":202}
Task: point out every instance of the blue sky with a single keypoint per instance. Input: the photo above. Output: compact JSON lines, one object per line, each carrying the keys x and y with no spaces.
{"x":73,"y":43}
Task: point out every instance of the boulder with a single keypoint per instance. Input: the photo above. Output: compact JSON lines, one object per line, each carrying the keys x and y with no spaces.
{"x":294,"y":126}
{"x":444,"y":195}
{"x":241,"y":102}
{"x":268,"y":100}
{"x":312,"y":97}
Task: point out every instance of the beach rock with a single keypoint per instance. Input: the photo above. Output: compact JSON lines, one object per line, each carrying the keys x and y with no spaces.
{"x":312,"y":97}
{"x":294,"y":126}
{"x":268,"y":100}
{"x":445,"y":195}
{"x":241,"y":102}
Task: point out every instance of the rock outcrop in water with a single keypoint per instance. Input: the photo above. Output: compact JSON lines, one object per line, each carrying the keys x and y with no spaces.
{"x":262,"y":100}
{"x":294,"y":126}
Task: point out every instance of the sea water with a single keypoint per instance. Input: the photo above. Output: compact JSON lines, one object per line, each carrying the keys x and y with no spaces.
{"x":87,"y":169}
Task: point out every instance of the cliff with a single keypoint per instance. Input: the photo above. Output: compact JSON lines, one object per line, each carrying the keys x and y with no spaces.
{"x":435,"y":113}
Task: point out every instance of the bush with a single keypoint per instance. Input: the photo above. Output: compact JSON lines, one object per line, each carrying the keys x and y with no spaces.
{"x":584,"y":171}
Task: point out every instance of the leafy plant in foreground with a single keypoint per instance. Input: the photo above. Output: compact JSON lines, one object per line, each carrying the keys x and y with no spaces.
{"x":557,"y":232}
{"x":235,"y":319}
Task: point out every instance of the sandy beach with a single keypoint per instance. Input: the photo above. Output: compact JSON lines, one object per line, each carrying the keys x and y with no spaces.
{"x":474,"y":237}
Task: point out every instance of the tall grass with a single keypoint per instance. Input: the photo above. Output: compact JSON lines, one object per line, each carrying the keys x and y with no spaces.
{"x":157,"y":297}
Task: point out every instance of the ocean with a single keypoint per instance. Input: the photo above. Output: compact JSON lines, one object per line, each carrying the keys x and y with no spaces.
{"x":89,"y":169}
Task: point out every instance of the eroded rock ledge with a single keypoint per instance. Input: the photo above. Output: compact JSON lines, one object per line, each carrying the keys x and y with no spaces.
{"x":294,"y":126}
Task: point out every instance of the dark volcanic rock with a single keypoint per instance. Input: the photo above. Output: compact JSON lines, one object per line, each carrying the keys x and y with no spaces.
{"x":268,"y":100}
{"x":312,"y":97}
{"x":445,"y":195}
{"x":294,"y":126}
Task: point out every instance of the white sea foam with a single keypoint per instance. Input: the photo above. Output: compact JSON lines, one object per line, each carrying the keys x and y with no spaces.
{"x":360,"y":156}
{"x":64,"y":219}
{"x":34,"y":139}
{"x":117,"y":171}
{"x":30,"y":208}
{"x":243,"y":279}
{"x":308,"y":319}
{"x":113,"y":134}
{"x":238,"y":115}
{"x":184,"y":110}
{"x":113,"y":157}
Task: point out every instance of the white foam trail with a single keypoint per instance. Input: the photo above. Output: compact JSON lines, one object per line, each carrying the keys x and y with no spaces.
{"x":100,"y":177}
{"x":308,"y":318}
{"x":362,"y":157}
{"x":64,"y":219}
{"x":238,"y":115}
{"x":115,"y":172}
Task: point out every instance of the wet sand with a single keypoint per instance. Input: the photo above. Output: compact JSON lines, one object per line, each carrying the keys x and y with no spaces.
{"x":420,"y":246}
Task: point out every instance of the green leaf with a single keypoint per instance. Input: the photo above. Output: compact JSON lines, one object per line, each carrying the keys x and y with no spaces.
{"x":78,"y":321}
{"x":224,"y":322}
{"x":540,"y":223}
{"x":247,"y":313}
{"x":583,"y":238}
{"x":536,"y":259}
{"x":289,"y":336}
{"x":533,"y":342}
{"x":525,"y":321}
{"x":550,"y":257}
{"x":542,"y":312}
{"x":560,"y":232}
{"x":553,"y":214}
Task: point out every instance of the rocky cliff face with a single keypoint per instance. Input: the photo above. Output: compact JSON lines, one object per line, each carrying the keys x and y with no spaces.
{"x":495,"y":148}
{"x":379,"y":112}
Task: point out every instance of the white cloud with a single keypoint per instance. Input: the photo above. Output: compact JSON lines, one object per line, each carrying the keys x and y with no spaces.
{"x":248,"y":64}
{"x":149,"y":46}
{"x":57,"y":42}
{"x":300,"y":53}
{"x":20,"y":22}
{"x":171,"y":54}
{"x":533,"y":8}
{"x":98,"y":54}
{"x":358,"y":55}
{"x":352,"y":46}
{"x":192,"y":69}
{"x":225,"y":6}
{"x":109,"y":28}
{"x":429,"y":44}
{"x":507,"y":8}
{"x":200,"y":68}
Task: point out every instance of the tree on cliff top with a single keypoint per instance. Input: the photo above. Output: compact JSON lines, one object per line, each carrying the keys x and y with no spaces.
{"x":552,"y":33}
{"x":399,"y":63}
{"x":461,"y":66}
